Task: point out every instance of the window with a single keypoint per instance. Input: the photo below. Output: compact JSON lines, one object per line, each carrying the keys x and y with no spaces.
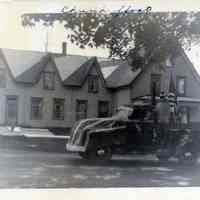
{"x":49,"y":79}
{"x":103,"y":109}
{"x":93,"y":85}
{"x":58,"y":109}
{"x":11,"y":109}
{"x":181,"y":86}
{"x":36,"y":108}
{"x":2,"y":78}
{"x":155,"y":80}
{"x":81,"y":109}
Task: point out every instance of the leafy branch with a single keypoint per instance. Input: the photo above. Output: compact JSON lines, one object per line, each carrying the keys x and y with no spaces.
{"x":126,"y":34}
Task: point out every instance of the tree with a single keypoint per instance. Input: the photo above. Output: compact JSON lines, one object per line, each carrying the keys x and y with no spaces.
{"x":140,"y":37}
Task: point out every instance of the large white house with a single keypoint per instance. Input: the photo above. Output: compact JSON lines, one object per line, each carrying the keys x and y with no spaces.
{"x":48,"y":90}
{"x":51,"y":90}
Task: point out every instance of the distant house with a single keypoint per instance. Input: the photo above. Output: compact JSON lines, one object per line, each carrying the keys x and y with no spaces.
{"x":50,"y":90}
{"x":128,"y":85}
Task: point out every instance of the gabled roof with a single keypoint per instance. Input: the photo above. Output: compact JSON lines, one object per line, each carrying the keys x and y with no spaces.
{"x":191,"y":66}
{"x":20,"y":61}
{"x":78,"y":76}
{"x":26,"y":66}
{"x":68,"y":64}
{"x":123,"y":75}
{"x":108,"y":66}
{"x":107,"y":71}
{"x":120,"y":74}
{"x":33,"y":73}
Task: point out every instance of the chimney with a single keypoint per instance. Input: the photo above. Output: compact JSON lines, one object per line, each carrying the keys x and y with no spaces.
{"x":64,"y":48}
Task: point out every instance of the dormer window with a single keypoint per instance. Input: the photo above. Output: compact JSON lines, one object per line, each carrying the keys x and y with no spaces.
{"x":49,"y":80}
{"x":93,"y":84}
{"x":181,"y":85}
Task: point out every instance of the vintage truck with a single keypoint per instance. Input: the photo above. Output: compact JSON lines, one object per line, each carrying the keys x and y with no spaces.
{"x":132,"y":129}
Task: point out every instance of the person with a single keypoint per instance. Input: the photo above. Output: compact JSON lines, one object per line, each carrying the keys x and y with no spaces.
{"x":183,"y":117}
{"x":13,"y":125}
{"x":163,"y":116}
{"x":163,"y":109}
{"x":172,"y":103}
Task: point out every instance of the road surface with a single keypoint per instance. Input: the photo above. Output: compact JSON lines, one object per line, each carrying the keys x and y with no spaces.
{"x":34,"y":169}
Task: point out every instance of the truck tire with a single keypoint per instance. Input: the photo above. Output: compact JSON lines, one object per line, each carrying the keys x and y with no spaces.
{"x":100,"y":153}
{"x":187,"y":152}
{"x":188,"y":157}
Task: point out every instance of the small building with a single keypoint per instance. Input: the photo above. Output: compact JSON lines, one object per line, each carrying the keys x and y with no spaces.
{"x":127,"y":85}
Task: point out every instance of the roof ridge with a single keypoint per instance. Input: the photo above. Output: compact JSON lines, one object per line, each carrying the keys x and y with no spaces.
{"x":49,"y":52}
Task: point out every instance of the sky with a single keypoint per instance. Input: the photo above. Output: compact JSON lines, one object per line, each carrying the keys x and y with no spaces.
{"x":13,"y":35}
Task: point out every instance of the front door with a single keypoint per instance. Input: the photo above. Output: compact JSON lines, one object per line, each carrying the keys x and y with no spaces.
{"x":103,"y":109}
{"x":11,"y":110}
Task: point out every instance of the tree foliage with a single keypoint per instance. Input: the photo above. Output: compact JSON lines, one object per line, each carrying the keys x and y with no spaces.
{"x":139,"y":36}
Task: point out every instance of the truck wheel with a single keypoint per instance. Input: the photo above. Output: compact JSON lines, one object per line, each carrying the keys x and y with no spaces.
{"x":100,"y":153}
{"x":188,"y":157}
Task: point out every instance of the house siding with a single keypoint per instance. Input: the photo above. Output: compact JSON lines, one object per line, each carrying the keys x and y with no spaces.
{"x":192,"y":88}
{"x":121,"y":97}
{"x":141,"y":86}
{"x":192,"y":84}
{"x":24,"y":92}
{"x":116,"y":97}
{"x":92,"y":98}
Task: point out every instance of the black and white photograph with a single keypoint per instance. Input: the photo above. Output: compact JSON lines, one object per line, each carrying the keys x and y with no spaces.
{"x":98,"y":95}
